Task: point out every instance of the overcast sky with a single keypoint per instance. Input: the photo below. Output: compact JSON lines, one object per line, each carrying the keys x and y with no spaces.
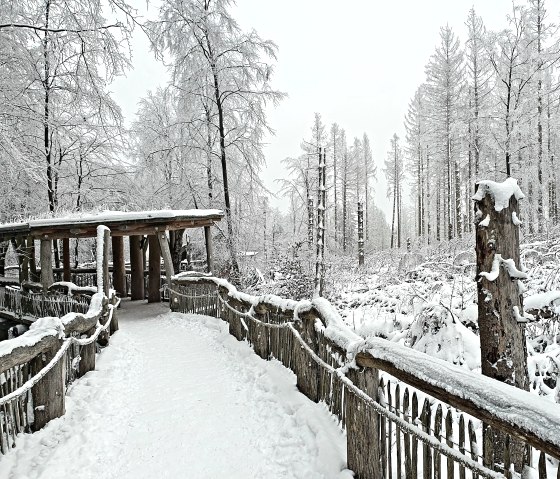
{"x":357,"y":63}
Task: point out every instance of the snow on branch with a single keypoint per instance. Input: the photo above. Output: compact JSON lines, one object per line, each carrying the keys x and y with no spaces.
{"x":500,"y":192}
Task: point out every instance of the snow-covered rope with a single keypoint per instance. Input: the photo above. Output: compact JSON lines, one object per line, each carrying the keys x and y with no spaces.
{"x":401,"y":423}
{"x":52,"y":363}
{"x":191,"y":296}
{"x":252,"y":318}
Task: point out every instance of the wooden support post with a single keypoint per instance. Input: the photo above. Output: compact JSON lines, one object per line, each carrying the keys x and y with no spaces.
{"x":66,"y":260}
{"x":208,"y":238}
{"x":119,"y":269}
{"x":167,"y":259}
{"x":360,"y":233}
{"x":47,"y":277}
{"x":362,"y":426}
{"x":154,"y":269}
{"x":87,"y":355}
{"x":103,"y":338}
{"x":33,"y":276}
{"x":106,"y":282}
{"x":48,"y":393}
{"x":24,"y":263}
{"x":136,"y":268}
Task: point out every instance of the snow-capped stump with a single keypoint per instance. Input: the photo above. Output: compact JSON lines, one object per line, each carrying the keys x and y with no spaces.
{"x":502,"y":339}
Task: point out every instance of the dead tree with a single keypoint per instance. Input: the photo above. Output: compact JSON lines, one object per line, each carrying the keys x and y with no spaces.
{"x":500,"y":304}
{"x":360,"y":233}
{"x":320,"y":257}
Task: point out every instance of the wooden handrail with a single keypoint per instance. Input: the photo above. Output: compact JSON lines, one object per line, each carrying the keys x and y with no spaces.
{"x":490,"y":401}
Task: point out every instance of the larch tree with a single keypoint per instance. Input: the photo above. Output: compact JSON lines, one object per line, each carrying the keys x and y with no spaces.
{"x":444,"y":94}
{"x":394,"y":173}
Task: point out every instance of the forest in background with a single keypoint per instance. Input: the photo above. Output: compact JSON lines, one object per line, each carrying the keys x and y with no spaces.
{"x":488,"y":109}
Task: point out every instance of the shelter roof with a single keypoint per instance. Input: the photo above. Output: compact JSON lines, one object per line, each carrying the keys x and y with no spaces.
{"x":121,"y":223}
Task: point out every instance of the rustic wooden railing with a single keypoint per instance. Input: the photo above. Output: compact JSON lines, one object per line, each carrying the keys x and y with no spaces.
{"x":22,"y":305}
{"x":406,"y":414}
{"x":37,"y":367}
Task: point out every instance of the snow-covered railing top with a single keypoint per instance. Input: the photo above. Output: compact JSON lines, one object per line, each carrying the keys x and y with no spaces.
{"x":120,"y":223}
{"x":517,"y":412}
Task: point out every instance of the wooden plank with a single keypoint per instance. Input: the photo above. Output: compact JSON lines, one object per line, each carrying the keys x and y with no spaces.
{"x":462,"y":449}
{"x":449,"y":442}
{"x":473,"y":446}
{"x":488,"y":448}
{"x":426,"y":420}
{"x":407,"y":451}
{"x":437,"y":435}
{"x":397,"y":430}
{"x":389,"y":433}
{"x":414,"y":445}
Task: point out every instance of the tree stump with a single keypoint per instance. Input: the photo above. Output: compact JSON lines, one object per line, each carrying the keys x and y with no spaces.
{"x":500,"y":304}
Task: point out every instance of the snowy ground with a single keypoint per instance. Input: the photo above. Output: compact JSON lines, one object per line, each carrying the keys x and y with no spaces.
{"x":175,"y":396}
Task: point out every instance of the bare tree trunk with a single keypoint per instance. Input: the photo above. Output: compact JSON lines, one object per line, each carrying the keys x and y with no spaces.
{"x":500,"y":303}
{"x":320,"y":258}
{"x":360,"y":234}
{"x":221,"y":129}
{"x":344,"y":202}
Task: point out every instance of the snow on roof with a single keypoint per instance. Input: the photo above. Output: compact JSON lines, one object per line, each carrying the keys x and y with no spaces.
{"x":501,"y":192}
{"x":93,"y":219}
{"x":115,"y":216}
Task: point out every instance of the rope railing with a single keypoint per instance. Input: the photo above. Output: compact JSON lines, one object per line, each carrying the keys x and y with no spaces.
{"x":409,"y":439}
{"x":379,"y":408}
{"x":64,"y":347}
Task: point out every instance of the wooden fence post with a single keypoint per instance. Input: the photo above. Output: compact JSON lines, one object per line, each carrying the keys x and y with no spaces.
{"x":48,"y":393}
{"x":87,"y":355}
{"x":362,"y":426}
{"x":103,"y":338}
{"x":500,"y":303}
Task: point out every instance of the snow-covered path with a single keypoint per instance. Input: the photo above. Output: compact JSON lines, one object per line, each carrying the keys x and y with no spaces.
{"x":175,"y":396}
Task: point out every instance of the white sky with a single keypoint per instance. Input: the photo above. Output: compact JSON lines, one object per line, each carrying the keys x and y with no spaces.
{"x":357,"y":63}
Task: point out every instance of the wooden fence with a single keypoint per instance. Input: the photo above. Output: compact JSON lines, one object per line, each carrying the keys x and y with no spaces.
{"x":37,"y":367}
{"x":405,"y":414}
{"x":20,"y":304}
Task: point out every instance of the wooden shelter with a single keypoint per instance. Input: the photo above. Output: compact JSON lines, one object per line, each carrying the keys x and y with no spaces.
{"x":136,"y":225}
